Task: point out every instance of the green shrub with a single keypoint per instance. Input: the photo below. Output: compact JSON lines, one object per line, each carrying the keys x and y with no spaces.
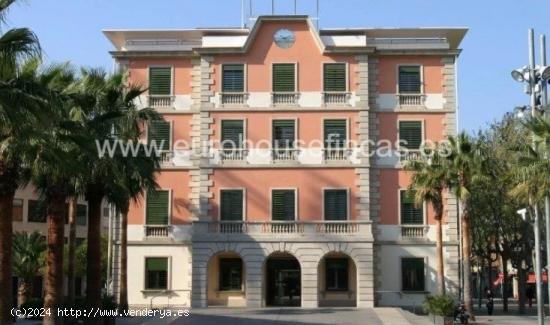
{"x":440,"y":305}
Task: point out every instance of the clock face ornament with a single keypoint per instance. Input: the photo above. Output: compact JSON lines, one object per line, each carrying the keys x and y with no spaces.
{"x":284,"y":38}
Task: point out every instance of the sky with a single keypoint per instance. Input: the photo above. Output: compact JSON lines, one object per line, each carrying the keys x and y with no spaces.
{"x":70,"y":30}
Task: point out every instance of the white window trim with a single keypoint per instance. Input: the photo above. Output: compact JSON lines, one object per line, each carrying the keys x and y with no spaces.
{"x":422,"y":129}
{"x":172,"y":75}
{"x":323,"y":74}
{"x":220,"y":190}
{"x":168,"y":272}
{"x":296,"y":201}
{"x":348,"y":133}
{"x":426,"y":265}
{"x":245,"y":127}
{"x":424,"y":210}
{"x":171,"y":133}
{"x":412,"y":64}
{"x":296,"y":79}
{"x":348,"y":212}
{"x":245,"y":75}
{"x":169,"y":223}
{"x":296,"y":134}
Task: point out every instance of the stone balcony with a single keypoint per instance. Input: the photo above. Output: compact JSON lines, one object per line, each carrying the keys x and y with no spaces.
{"x":282,"y":231}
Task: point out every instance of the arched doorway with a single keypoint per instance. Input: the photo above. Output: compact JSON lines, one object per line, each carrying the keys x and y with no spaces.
{"x":337,"y":281}
{"x":226,"y":280}
{"x":283,"y":281}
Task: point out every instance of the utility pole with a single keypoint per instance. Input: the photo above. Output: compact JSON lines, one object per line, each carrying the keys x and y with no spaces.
{"x":533,"y":95}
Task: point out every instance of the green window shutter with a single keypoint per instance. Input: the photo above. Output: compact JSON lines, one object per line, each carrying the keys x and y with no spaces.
{"x":410,"y":132}
{"x":231,"y":205}
{"x":335,"y":133}
{"x":233,"y":78}
{"x":409,"y":80}
{"x":283,"y":205}
{"x":81,"y":214}
{"x":37,"y":211}
{"x":334,"y":76}
{"x":284,"y":132}
{"x":230,"y":275}
{"x":160,"y":81}
{"x":157,"y":208}
{"x":156,"y":270}
{"x":410,"y":214}
{"x":336,"y":204}
{"x":284,"y":77}
{"x":160,"y":131}
{"x":412,"y":273}
{"x":232,"y":133}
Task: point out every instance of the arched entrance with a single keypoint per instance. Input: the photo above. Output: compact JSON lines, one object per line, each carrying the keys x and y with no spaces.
{"x":283,"y":281}
{"x":337,"y":281}
{"x":226,"y":280}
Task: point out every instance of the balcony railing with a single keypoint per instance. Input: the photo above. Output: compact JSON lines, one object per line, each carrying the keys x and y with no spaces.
{"x":414,"y":231}
{"x":411,"y":155}
{"x":230,"y":98}
{"x":233,"y":155}
{"x":157,"y":231}
{"x":411,"y":99}
{"x":336,"y":98}
{"x":166,"y":158}
{"x":285,"y":154}
{"x":282,"y":227}
{"x":336,"y":154}
{"x":284,"y":98}
{"x":161,"y":101}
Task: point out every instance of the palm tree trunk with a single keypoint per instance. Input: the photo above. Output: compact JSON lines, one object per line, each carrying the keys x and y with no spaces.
{"x":522,"y":280}
{"x":504,"y":284}
{"x":439,"y":256}
{"x":93,"y":270}
{"x":72,"y":249}
{"x":54,"y":259}
{"x":24,"y":291}
{"x":123,"y":297}
{"x":6,"y":242}
{"x":466,"y":253}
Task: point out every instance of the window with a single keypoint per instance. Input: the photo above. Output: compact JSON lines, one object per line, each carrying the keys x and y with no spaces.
{"x":156,"y":273}
{"x":159,"y":132}
{"x":284,"y":133}
{"x":233,"y":78}
{"x":410,"y":134}
{"x":336,"y":274}
{"x":283,"y":205}
{"x":412,"y":274}
{"x":157,"y":209}
{"x":335,"y":133}
{"x":37,"y":211}
{"x":410,"y":80}
{"x":334,"y":77}
{"x":17,"y":210}
{"x":231,"y":270}
{"x":81,"y":214}
{"x":232,"y":134}
{"x":336,"y":205}
{"x":410,"y":214}
{"x":160,"y":81}
{"x":284,"y":77}
{"x":231,"y":205}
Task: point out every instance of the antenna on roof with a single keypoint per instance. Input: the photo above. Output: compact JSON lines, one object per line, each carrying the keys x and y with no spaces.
{"x":247,"y":20}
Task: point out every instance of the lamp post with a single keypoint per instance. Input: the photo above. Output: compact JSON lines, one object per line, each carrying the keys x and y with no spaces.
{"x":535,"y":76}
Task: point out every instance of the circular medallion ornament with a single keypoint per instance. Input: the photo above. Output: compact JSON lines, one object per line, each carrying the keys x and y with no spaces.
{"x":284,"y":38}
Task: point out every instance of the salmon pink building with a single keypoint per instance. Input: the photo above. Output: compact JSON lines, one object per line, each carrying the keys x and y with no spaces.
{"x":282,"y":180}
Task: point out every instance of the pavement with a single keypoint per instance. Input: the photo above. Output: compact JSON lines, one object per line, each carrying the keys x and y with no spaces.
{"x":297,"y":316}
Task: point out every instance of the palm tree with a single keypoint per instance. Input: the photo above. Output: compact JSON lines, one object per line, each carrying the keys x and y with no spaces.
{"x":28,"y":249}
{"x":15,"y":45}
{"x":429,"y":183}
{"x":463,"y":167}
{"x":108,"y":113}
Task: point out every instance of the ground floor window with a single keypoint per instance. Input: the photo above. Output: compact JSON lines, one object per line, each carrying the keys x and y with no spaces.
{"x":156,"y":273}
{"x":336,"y":274}
{"x":412,"y":274}
{"x":231,"y":271}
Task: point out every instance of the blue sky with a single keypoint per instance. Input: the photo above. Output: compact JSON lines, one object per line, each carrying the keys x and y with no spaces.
{"x":70,"y":30}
